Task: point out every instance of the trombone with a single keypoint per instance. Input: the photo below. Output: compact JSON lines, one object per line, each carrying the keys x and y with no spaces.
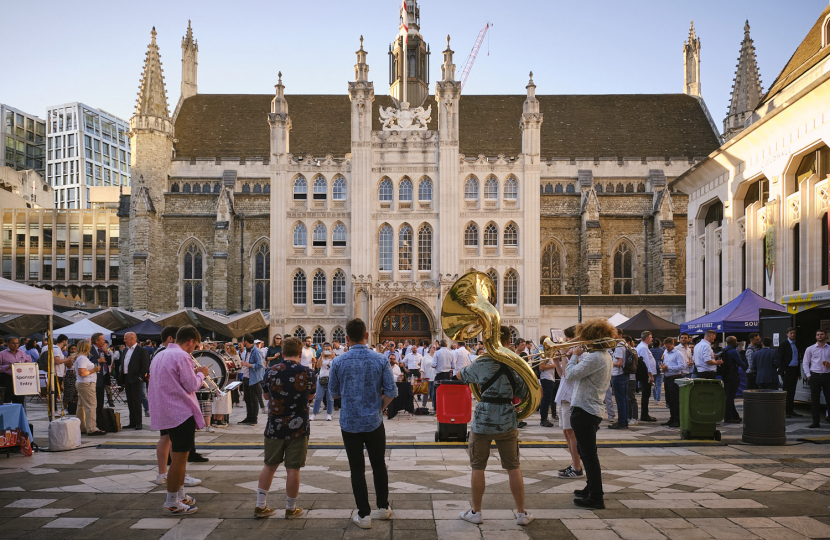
{"x":208,"y":381}
{"x":558,"y":350}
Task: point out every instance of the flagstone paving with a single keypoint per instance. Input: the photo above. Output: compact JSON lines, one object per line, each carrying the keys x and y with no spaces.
{"x":656,"y":487}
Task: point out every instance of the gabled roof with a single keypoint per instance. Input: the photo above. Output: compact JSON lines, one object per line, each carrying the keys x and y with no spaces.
{"x":622,"y":125}
{"x":807,"y":55}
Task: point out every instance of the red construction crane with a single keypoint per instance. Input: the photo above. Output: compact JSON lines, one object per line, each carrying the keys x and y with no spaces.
{"x":472,"y":58}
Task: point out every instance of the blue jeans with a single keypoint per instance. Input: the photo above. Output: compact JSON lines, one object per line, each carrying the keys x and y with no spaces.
{"x":429,"y":395}
{"x":144,"y":401}
{"x":620,"y":385}
{"x":319,"y":397}
{"x":658,"y":385}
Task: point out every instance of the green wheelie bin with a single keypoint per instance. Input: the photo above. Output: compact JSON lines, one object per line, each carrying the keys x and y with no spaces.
{"x":702,"y":404}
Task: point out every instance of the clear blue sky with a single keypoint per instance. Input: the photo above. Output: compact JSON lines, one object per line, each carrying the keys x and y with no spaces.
{"x":93,"y":51}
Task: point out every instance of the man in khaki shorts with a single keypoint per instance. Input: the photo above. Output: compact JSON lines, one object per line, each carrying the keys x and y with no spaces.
{"x":495,"y":420}
{"x":286,"y":386}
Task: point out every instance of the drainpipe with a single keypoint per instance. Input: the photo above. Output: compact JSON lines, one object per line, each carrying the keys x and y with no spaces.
{"x":645,"y":234}
{"x":241,"y":265}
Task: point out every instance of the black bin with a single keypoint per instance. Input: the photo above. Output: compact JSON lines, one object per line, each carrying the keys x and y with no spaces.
{"x":764,"y":417}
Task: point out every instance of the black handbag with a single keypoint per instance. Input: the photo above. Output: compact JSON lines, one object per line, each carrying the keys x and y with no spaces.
{"x":324,"y":381}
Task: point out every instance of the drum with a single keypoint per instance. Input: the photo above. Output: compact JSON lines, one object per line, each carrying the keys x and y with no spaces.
{"x":217,"y":368}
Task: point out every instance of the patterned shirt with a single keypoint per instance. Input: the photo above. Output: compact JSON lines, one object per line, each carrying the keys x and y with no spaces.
{"x":360,"y":378}
{"x":492,"y":418}
{"x":287,"y":385}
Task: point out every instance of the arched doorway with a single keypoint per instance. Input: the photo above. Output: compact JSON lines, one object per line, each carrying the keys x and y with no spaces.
{"x":404,"y":321}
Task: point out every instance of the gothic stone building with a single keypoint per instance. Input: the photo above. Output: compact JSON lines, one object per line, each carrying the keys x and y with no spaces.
{"x":315,"y":209}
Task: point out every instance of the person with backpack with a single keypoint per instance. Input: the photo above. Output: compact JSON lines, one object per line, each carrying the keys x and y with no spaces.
{"x":619,"y":382}
{"x":645,"y":374}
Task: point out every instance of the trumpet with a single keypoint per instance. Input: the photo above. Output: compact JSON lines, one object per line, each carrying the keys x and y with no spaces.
{"x":208,"y":381}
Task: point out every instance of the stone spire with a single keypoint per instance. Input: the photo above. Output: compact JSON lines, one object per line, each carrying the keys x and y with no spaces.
{"x":746,"y":89}
{"x":448,"y":68}
{"x":152,"y":94}
{"x":531,"y":123}
{"x":361,"y":69}
{"x":691,"y":64}
{"x":190,"y":53}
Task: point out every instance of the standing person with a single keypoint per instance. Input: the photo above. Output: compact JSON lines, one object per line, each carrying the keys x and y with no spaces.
{"x":86,"y":374}
{"x":590,"y":375}
{"x":495,"y":419}
{"x":632,"y":381}
{"x":363,"y":380}
{"x":789,"y":362}
{"x":706,"y":365}
{"x":731,"y":378}
{"x":32,"y":350}
{"x":99,"y":355}
{"x":686,"y":348}
{"x":60,"y":361}
{"x":286,"y":385}
{"x":12,"y":355}
{"x":766,"y":366}
{"x":274,"y":354}
{"x":563,"y":398}
{"x":175,"y":412}
{"x":619,"y":383}
{"x":428,"y":374}
{"x":674,"y":366}
{"x":644,"y":352}
{"x":442,"y":361}
{"x":412,"y":362}
{"x":308,"y":355}
{"x":136,"y":365}
{"x":548,"y":382}
{"x":752,"y":348}
{"x":323,"y":365}
{"x":256,"y":370}
{"x":461,"y":359}
{"x":817,"y":371}
{"x":657,"y":353}
{"x":337,"y":348}
{"x":70,"y":390}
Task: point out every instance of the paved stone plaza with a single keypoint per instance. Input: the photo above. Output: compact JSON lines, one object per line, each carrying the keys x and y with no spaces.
{"x":655,"y":487}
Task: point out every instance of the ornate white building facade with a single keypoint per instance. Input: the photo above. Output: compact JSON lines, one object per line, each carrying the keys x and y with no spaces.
{"x":363,"y":205}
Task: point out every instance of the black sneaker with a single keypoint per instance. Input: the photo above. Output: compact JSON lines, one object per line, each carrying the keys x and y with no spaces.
{"x":522,"y":424}
{"x":581,"y":493}
{"x":596,"y":504}
{"x":546,"y":423}
{"x":617,"y":426}
{"x":572,"y":473}
{"x":196,"y":457}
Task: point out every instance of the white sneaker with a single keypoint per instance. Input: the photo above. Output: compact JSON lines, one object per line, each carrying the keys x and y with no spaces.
{"x":189,"y":481}
{"x":633,"y":422}
{"x":362,"y":522}
{"x":328,"y":418}
{"x":161,"y":479}
{"x":312,"y":417}
{"x":472,"y":517}
{"x":524,"y":519}
{"x":383,"y":513}
{"x":181,"y":509}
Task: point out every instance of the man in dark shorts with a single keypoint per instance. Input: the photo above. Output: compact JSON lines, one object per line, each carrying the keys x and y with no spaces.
{"x":286,"y":386}
{"x":175,"y":412}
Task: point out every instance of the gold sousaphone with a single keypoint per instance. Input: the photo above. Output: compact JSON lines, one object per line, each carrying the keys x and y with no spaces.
{"x":468,"y":310}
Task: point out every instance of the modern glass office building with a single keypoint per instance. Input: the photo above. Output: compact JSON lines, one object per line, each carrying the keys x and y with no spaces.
{"x":24,"y":138}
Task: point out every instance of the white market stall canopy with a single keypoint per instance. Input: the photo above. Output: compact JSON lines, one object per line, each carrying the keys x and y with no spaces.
{"x":617,"y":319}
{"x":16,"y":298}
{"x":83,"y":330}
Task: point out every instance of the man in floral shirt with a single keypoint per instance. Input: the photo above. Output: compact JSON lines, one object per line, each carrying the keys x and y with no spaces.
{"x":286,"y":387}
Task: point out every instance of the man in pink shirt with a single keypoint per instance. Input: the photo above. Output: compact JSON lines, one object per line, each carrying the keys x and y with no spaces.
{"x":12,"y":355}
{"x":175,"y":412}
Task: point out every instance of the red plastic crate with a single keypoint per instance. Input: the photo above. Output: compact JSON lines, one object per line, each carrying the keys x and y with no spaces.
{"x":454,"y":403}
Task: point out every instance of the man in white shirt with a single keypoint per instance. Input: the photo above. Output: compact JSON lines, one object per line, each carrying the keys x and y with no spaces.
{"x":307,"y":356}
{"x":674,"y":365}
{"x":443,"y":362}
{"x":705,"y":364}
{"x":685,"y":348}
{"x":816,"y":365}
{"x":412,"y":362}
{"x":337,"y":348}
{"x":619,"y":384}
{"x":644,"y":352}
{"x":461,"y":359}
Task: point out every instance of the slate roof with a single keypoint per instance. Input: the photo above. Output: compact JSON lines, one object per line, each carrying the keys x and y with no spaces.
{"x":634,"y":126}
{"x":807,"y":55}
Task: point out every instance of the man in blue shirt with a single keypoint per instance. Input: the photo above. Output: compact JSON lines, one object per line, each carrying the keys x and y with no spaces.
{"x":363,"y":381}
{"x":256,"y":371}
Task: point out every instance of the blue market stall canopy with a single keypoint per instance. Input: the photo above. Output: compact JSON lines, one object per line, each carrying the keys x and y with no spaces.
{"x":739,"y":315}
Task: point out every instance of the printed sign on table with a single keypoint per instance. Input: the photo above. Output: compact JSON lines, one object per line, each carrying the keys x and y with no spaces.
{"x":26,"y":379}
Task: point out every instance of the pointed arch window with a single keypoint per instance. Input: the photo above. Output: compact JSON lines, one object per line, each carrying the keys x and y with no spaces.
{"x":620,"y":188}
{"x":405,"y":190}
{"x":385,"y":249}
{"x":205,"y":188}
{"x":491,"y":188}
{"x":338,"y":335}
{"x":246,"y":188}
{"x":318,"y":288}
{"x":548,"y":189}
{"x":338,"y":237}
{"x":405,"y":248}
{"x":551,"y":269}
{"x":610,"y":188}
{"x":198,"y":189}
{"x":425,"y":190}
{"x":299,"y":288}
{"x":257,"y":188}
{"x":598,"y":188}
{"x":511,"y":288}
{"x":471,"y":189}
{"x":511,"y":235}
{"x":218,"y":187}
{"x":569,"y":188}
{"x":338,"y":189}
{"x":495,"y":277}
{"x":425,"y":248}
{"x":193,"y":276}
{"x":623,"y":269}
{"x":299,"y":333}
{"x":320,"y":189}
{"x":266,"y":189}
{"x":338,"y":288}
{"x":174,"y":188}
{"x":300,"y":189}
{"x":318,"y":238}
{"x":300,"y":235}
{"x":318,"y":337}
{"x":385,"y":190}
{"x":186,"y":188}
{"x":558,"y":189}
{"x":491,"y":235}
{"x":471,"y":235}
{"x":262,"y":278}
{"x":511,"y":189}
